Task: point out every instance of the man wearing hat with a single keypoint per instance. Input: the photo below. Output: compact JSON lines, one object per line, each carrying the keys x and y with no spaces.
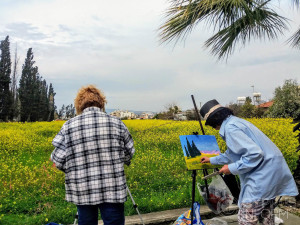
{"x":250,"y":154}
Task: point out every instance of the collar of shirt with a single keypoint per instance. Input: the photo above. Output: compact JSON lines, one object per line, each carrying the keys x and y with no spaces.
{"x":222,"y":128}
{"x":93,"y":108}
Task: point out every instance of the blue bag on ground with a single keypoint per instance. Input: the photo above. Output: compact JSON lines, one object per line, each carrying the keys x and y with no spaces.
{"x":185,"y":218}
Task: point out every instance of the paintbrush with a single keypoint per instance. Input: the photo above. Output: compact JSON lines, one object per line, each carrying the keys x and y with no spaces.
{"x":211,"y":175}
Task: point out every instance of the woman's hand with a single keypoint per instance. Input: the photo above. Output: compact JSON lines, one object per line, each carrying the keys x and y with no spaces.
{"x":205,"y":159}
{"x":225,"y":170}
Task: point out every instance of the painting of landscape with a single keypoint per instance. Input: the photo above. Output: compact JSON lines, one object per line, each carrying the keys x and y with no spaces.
{"x":196,"y":146}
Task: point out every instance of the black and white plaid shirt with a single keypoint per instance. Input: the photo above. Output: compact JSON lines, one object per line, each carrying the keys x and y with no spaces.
{"x":91,"y":149}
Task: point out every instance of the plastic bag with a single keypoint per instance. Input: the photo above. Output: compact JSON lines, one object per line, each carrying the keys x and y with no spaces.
{"x":185,"y":218}
{"x":220,"y":196}
{"x":278,"y":221}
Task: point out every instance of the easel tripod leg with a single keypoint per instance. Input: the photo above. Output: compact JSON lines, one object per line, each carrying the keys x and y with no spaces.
{"x":205,"y":173}
{"x":194,"y":173}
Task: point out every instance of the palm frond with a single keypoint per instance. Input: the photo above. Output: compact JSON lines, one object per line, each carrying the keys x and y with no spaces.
{"x":181,"y":20}
{"x":183,"y":15}
{"x":295,"y":40}
{"x":260,"y":23}
{"x":234,"y":21}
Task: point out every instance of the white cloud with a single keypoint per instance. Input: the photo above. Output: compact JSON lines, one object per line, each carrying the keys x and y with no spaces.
{"x":114,"y":45}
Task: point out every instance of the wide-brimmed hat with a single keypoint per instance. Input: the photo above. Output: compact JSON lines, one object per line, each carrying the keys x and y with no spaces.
{"x":209,"y":109}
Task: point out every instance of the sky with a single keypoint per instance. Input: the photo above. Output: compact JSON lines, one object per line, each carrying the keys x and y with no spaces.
{"x":115,"y":46}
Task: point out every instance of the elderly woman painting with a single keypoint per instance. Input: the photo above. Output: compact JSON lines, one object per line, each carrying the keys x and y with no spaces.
{"x":263,"y":171}
{"x":91,"y":149}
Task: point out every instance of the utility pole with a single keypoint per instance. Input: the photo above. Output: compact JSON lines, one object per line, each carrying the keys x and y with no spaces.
{"x":252,"y":94}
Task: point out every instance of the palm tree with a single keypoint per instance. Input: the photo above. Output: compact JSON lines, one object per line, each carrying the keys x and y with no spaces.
{"x":233,"y":20}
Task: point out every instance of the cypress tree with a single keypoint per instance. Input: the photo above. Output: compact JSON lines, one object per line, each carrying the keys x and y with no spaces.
{"x":72,"y":111}
{"x":52,"y":107}
{"x":62,"y":112}
{"x":41,"y":102}
{"x":14,"y":90}
{"x":69,"y":111}
{"x":37,"y":101}
{"x":44,"y":101}
{"x":28,"y":88}
{"x":5,"y":71}
{"x":36,"y":92}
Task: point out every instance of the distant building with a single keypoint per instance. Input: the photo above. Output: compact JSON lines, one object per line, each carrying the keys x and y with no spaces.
{"x":266,"y":105}
{"x":241,"y":100}
{"x":256,"y":98}
{"x":123,"y":114}
{"x":146,"y":115}
{"x":180,"y":116}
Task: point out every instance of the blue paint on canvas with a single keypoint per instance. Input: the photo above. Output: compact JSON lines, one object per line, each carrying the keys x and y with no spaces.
{"x":205,"y":143}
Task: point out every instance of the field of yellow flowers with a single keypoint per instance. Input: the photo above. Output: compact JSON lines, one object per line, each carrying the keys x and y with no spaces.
{"x":32,"y":191}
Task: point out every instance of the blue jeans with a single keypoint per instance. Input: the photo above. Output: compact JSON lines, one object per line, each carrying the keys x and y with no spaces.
{"x":111,"y":213}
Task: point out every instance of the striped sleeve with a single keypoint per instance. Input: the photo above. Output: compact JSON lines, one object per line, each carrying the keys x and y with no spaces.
{"x":58,"y":156}
{"x":128,"y":143}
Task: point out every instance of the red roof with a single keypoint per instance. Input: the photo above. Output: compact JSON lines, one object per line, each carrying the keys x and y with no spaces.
{"x":266,"y":104}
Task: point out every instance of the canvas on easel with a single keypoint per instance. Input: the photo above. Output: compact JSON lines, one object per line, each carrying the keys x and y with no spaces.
{"x":195,"y":147}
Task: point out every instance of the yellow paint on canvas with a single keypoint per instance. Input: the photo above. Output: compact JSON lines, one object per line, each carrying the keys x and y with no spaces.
{"x":195,"y":163}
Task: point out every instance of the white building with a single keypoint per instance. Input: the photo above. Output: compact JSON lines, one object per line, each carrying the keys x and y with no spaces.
{"x":180,"y":116}
{"x":241,"y":100}
{"x":146,"y":115}
{"x":123,"y":114}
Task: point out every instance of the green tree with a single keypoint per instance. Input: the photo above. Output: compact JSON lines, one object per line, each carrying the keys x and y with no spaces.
{"x":258,"y":112}
{"x":5,"y":71}
{"x":62,"y":112}
{"x":14,"y":89}
{"x":43,"y":101}
{"x":247,"y":110}
{"x":37,"y":101}
{"x":233,"y":21}
{"x":287,"y":104}
{"x":70,"y":112}
{"x":52,"y":107}
{"x":28,"y":88}
{"x":236,"y":108}
{"x":286,"y":101}
{"x":190,"y":114}
{"x":171,"y":110}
